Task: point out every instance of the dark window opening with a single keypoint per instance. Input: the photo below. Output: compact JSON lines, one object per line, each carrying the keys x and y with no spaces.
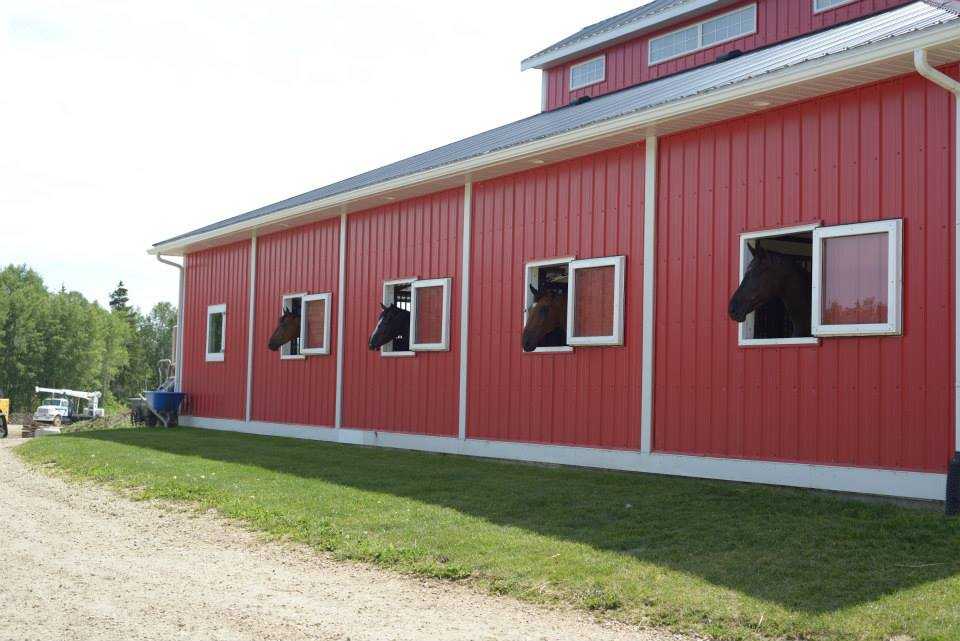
{"x":295,"y":305}
{"x":772,"y":319}
{"x":399,"y":295}
{"x":554,"y":277}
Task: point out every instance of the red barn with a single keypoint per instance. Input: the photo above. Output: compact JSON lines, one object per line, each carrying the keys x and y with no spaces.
{"x":730,"y":235}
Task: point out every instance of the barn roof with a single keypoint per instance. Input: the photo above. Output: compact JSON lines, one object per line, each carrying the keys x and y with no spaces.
{"x":799,"y":53}
{"x":649,"y":16}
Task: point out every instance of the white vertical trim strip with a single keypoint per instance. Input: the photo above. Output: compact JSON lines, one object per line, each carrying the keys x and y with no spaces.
{"x":649,"y":292}
{"x":341,"y":286}
{"x":465,"y":303}
{"x":251,"y":317}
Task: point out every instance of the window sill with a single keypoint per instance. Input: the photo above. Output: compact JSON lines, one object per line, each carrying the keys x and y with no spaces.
{"x":214,"y":358}
{"x":566,"y":349}
{"x":779,"y":342}
{"x":296,"y":357}
{"x":397,"y":354}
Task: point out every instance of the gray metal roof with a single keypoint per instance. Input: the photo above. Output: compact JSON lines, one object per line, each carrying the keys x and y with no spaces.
{"x":644,"y":12}
{"x":898,"y":22}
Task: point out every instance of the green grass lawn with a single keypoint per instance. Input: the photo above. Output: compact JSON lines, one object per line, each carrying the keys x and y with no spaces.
{"x":727,"y":560}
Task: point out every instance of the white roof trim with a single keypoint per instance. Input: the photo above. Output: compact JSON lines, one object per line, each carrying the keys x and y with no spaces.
{"x":549,"y":58}
{"x":943,"y":34}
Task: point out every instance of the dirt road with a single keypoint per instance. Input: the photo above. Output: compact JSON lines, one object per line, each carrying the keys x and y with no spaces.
{"x":79,"y":562}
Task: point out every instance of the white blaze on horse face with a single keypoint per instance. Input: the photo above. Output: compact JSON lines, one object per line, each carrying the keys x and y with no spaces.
{"x":377,"y":328}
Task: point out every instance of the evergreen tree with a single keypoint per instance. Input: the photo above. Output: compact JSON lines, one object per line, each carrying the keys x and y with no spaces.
{"x":120,"y":298}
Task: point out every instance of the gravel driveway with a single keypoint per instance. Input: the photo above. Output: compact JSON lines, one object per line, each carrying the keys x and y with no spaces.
{"x":80,"y":562}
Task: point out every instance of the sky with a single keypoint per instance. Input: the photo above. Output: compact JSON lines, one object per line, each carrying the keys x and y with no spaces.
{"x":123,"y":123}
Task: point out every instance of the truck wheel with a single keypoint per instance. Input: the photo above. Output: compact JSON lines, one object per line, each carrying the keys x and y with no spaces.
{"x":56,"y":421}
{"x":3,"y":427}
{"x":151,"y":419}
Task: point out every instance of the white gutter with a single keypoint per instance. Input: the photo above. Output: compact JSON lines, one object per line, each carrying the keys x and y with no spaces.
{"x":178,"y":356}
{"x":574,"y":49}
{"x":951,"y":85}
{"x":844,"y":61}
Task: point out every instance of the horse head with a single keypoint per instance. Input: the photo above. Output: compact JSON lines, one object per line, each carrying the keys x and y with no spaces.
{"x":288,"y":329}
{"x":546,"y":319}
{"x":773,"y":275}
{"x":393,"y":322}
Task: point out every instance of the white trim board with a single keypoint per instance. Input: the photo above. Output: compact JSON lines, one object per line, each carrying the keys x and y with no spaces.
{"x":916,"y":485}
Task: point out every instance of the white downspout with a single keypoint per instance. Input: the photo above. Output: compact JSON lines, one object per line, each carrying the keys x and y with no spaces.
{"x":178,"y":356}
{"x":941,"y":79}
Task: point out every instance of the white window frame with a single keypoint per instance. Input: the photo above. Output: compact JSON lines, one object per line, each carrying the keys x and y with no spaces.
{"x":444,"y":344}
{"x":619,"y":264}
{"x":603,"y":72}
{"x":893,"y":327}
{"x":817,"y":10}
{"x":745,"y":257}
{"x":700,"y":46}
{"x":211,"y":311}
{"x":325,"y":349}
{"x":387,"y":350}
{"x":529,"y":270}
{"x":285,"y":354}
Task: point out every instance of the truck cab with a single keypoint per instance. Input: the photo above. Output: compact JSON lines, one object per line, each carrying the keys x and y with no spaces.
{"x":53,"y":411}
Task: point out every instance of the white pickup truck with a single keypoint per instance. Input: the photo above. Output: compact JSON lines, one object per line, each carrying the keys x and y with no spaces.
{"x":53,"y":411}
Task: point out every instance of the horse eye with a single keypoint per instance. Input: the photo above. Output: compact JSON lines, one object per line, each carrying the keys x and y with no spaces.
{"x":543,"y":312}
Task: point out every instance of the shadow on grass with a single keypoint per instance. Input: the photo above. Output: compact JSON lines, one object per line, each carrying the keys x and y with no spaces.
{"x":806,"y":551}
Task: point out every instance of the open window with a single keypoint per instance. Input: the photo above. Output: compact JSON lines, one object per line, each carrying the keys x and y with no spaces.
{"x":291,"y":350}
{"x":595,"y":301}
{"x":430,"y":315}
{"x":784,"y":260}
{"x":216,"y":332}
{"x":857,"y":279}
{"x":315,"y":325}
{"x":397,"y":292}
{"x":548,"y":274}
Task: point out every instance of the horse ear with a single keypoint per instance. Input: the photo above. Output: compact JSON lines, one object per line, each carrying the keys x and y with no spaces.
{"x":535,"y":292}
{"x":385,"y":308}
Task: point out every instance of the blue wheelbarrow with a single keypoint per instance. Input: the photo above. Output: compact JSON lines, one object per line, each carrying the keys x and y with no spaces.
{"x":156,"y":407}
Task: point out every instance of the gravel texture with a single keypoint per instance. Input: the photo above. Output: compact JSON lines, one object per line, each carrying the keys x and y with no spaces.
{"x":78,"y":561}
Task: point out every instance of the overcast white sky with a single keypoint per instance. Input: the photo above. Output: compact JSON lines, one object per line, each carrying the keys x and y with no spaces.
{"x":124,"y":123}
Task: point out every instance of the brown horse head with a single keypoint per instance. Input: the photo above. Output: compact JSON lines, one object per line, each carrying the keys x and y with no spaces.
{"x":546,"y":319}
{"x":393,"y":322}
{"x":288,"y":329}
{"x":773,"y":275}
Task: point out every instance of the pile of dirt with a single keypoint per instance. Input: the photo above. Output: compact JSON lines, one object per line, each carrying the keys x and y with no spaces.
{"x":112,"y":421}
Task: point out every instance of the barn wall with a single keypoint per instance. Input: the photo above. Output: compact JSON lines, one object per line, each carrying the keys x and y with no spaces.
{"x":777,"y":20}
{"x":304,"y":259}
{"x":881,"y":151}
{"x":215,"y":276}
{"x":416,"y":238}
{"x":589,"y":207}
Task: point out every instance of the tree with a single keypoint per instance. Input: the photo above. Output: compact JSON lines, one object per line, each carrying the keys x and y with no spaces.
{"x":120,"y":298}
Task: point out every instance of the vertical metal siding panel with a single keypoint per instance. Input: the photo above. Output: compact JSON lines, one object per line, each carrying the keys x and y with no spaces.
{"x":877,"y":402}
{"x":777,"y":20}
{"x":303,"y":259}
{"x":417,"y":237}
{"x":584,"y":208}
{"x":214,"y":276}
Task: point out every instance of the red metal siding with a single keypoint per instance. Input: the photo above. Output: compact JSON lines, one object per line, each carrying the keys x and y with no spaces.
{"x":216,"y":276}
{"x":305,"y":259}
{"x":881,"y":151}
{"x":416,"y":238}
{"x":777,"y":20}
{"x":589,"y":207}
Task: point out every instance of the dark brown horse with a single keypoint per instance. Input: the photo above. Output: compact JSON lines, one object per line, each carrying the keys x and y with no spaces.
{"x":288,"y":329}
{"x":393,"y":323}
{"x":774,"y":275}
{"x":546,"y":324}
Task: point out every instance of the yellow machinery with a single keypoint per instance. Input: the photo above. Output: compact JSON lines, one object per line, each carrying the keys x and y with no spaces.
{"x":4,"y":416}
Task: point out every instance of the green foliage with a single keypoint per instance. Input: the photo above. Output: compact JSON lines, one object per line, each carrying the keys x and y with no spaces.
{"x":60,"y":339}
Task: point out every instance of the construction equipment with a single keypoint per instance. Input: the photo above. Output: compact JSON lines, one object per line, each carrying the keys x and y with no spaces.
{"x":4,"y":417}
{"x":67,"y":406}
